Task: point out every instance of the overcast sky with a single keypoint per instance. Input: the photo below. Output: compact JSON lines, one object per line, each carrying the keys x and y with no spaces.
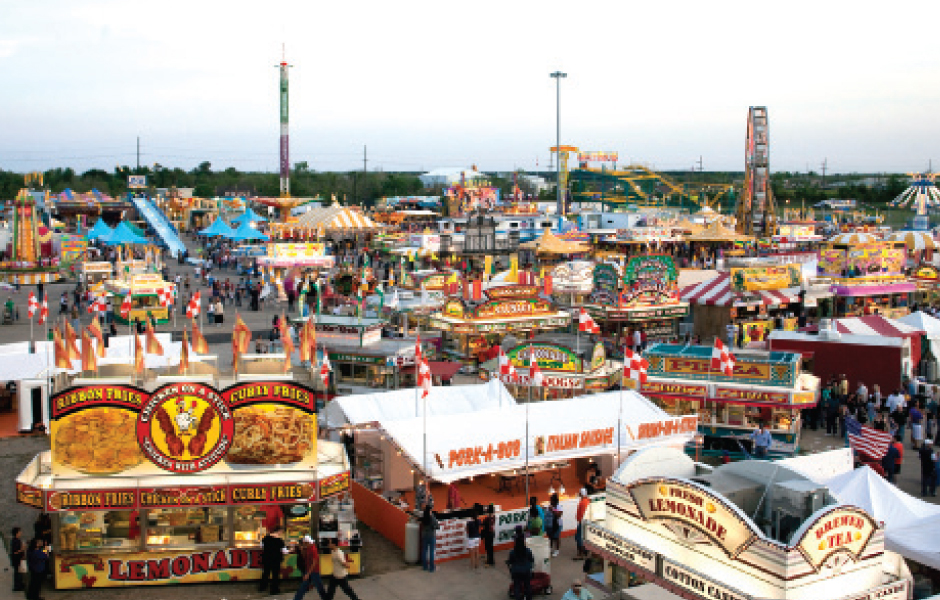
{"x":441,"y":84}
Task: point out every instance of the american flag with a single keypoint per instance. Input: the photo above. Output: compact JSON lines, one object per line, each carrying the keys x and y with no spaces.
{"x":867,"y":440}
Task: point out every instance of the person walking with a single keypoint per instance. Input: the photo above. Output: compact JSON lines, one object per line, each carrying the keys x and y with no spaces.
{"x":898,"y":444}
{"x":219,"y":313}
{"x":272,"y":553}
{"x":928,"y":469}
{"x":339,"y":578}
{"x":474,"y":532}
{"x":832,"y":413}
{"x":429,"y":527}
{"x":311,"y":571}
{"x":489,"y":534}
{"x":521,"y":562}
{"x":37,"y":562}
{"x":889,"y":461}
{"x":917,"y":425}
{"x":553,"y":524}
{"x":17,"y":558}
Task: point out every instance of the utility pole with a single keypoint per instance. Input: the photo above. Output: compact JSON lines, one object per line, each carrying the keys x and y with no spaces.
{"x":558,"y":76}
{"x":138,"y":152}
{"x":825,"y":163}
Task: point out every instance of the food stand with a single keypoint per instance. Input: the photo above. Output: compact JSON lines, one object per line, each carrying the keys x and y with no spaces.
{"x":642,"y":296}
{"x":179,"y":485}
{"x":868,"y":278}
{"x":145,"y":301}
{"x":756,"y":300}
{"x":504,"y":309}
{"x":764,"y":388}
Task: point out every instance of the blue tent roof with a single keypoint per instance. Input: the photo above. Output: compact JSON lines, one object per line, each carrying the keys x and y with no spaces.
{"x":100,"y":230}
{"x":122,"y":234}
{"x":251,"y":216}
{"x":218,"y":227}
{"x":246,"y":232}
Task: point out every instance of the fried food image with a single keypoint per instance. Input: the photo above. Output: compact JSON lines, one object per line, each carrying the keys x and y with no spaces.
{"x":275,"y":437}
{"x":98,"y":441}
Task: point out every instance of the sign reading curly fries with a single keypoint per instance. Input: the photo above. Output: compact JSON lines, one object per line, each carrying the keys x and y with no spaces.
{"x":182,"y":428}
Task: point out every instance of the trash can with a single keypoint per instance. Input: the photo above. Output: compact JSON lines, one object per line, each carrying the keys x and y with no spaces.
{"x":541,"y":552}
{"x":412,"y":542}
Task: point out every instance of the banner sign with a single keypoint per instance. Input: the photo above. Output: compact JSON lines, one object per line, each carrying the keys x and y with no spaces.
{"x":650,"y":280}
{"x":689,"y":504}
{"x":699,"y":585}
{"x":508,"y":309}
{"x":606,"y":283}
{"x":875,"y":259}
{"x":751,"y":279}
{"x":663,"y":388}
{"x":136,"y":182}
{"x":512,"y":291}
{"x":621,"y":551}
{"x":549,"y":357}
{"x":593,"y":156}
{"x":838,"y":529}
{"x":334,"y":484}
{"x":181,"y":428}
{"x":751,"y":395}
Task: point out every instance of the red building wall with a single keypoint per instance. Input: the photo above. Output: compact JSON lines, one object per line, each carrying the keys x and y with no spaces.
{"x":858,"y":362}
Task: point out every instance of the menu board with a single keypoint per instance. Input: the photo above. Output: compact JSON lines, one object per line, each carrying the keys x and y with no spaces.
{"x":183,"y":428}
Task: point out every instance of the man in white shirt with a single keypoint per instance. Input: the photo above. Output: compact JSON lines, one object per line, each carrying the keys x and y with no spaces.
{"x":894,"y":401}
{"x":637,"y":340}
{"x":862,"y":392}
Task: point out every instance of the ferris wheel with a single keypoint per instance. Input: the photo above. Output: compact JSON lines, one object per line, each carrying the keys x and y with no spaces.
{"x":922,"y":194}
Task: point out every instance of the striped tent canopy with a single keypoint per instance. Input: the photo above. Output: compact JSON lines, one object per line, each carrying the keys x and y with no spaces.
{"x":550,"y":244}
{"x":718,"y":292}
{"x":329,"y":219}
{"x":915,"y":240}
{"x":853,"y":237}
{"x":876,"y":325}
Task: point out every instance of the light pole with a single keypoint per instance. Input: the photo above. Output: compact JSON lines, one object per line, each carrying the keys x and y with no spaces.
{"x":558,"y":76}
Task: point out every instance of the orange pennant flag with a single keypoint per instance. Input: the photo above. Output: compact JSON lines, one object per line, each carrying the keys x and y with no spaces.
{"x":89,"y":360}
{"x":71,"y":339}
{"x":287,"y":342}
{"x":304,"y":346}
{"x":153,"y":344}
{"x":61,"y":352}
{"x":138,"y":355}
{"x":241,"y":335}
{"x":199,"y":342}
{"x":184,"y":354}
{"x":312,"y":339}
{"x":95,"y":330}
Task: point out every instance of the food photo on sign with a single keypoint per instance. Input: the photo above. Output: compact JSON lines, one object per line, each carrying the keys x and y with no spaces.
{"x":181,"y":484}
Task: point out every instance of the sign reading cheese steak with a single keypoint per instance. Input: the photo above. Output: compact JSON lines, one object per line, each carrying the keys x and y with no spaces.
{"x":751,"y":395}
{"x":838,"y":529}
{"x":663,"y":388}
{"x":687,"y":503}
{"x":182,"y":427}
{"x":334,"y":484}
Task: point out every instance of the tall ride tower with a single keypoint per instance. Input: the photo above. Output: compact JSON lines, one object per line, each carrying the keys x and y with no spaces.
{"x":285,"y":135}
{"x":756,"y":212}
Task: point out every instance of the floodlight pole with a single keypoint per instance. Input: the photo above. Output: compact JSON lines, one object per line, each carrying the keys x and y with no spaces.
{"x":558,"y":76}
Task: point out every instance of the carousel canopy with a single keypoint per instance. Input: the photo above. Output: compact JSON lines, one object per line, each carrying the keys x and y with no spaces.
{"x":246,"y":232}
{"x":218,"y":227}
{"x":718,"y":292}
{"x":687,"y":225}
{"x":251,"y":216}
{"x":100,"y":230}
{"x":335,"y":218}
{"x":915,"y":240}
{"x":854,"y":237}
{"x":716,"y":232}
{"x":549,"y":243}
{"x":123,"y":234}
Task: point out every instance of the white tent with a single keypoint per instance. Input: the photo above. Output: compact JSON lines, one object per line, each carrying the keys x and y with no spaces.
{"x":399,"y":405}
{"x":469,"y":444}
{"x":924,"y":322}
{"x":910,"y":523}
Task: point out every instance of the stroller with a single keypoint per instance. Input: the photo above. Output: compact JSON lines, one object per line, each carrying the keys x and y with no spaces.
{"x":542,"y":572}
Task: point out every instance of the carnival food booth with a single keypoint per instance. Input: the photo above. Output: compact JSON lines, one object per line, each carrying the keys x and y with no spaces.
{"x":304,"y":255}
{"x":144,"y":290}
{"x":572,"y":282}
{"x":495,"y":451}
{"x":741,"y":531}
{"x":767,"y":388}
{"x":643,"y":295}
{"x":470,"y":326}
{"x":571,"y":365}
{"x":179,"y":485}
{"x":754,"y":300}
{"x":868,"y":278}
{"x":95,"y":274}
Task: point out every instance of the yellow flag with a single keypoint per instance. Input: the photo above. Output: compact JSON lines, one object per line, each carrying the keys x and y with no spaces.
{"x":513,"y":269}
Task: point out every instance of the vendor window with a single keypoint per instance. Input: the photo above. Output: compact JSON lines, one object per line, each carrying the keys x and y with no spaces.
{"x":115,"y":529}
{"x":180,"y":527}
{"x":250,"y":523}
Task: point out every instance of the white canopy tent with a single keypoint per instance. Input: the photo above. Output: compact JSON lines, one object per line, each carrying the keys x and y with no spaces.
{"x":400,"y":405}
{"x":468,"y":444}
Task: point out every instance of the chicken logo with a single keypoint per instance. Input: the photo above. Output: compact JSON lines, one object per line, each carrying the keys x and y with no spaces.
{"x":185,"y":429}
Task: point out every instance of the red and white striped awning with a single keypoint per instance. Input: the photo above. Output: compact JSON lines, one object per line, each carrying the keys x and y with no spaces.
{"x":718,"y":292}
{"x":876,"y":325}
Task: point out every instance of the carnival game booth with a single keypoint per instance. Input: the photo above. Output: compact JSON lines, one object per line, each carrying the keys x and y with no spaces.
{"x":572,"y":282}
{"x":571,"y":365}
{"x":751,"y":529}
{"x":305,"y":255}
{"x":642,"y":295}
{"x":767,"y":388}
{"x":495,"y":455}
{"x":755,"y":300}
{"x":144,"y":291}
{"x":468,"y":326}
{"x":867,"y":278}
{"x":179,"y":485}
